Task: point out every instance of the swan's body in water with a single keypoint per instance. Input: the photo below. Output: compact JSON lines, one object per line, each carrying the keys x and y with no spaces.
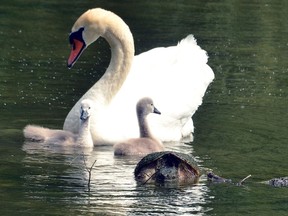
{"x":177,"y":73}
{"x":62,"y":137}
{"x":146,"y":143}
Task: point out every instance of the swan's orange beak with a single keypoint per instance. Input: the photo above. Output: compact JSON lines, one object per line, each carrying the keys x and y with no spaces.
{"x":77,"y":48}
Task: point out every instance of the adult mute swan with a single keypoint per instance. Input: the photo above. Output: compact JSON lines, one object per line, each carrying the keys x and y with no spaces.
{"x":146,"y":143}
{"x":62,"y":137}
{"x":177,"y":74}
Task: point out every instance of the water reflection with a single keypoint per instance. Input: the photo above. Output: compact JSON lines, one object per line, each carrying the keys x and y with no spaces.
{"x":59,"y":174}
{"x":182,"y":200}
{"x":240,"y":129}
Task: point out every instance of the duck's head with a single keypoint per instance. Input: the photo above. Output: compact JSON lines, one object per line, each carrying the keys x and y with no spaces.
{"x":86,"y":109}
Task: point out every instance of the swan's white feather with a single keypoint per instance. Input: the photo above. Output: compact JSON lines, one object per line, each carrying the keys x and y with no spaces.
{"x":176,"y":77}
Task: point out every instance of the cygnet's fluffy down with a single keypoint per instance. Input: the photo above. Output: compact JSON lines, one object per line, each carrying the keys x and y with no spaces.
{"x":146,"y":143}
{"x":182,"y":70}
{"x":62,"y":137}
{"x":41,"y":134}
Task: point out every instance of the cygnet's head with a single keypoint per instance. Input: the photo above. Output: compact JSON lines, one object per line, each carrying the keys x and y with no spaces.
{"x":145,"y":106}
{"x":86,"y":109}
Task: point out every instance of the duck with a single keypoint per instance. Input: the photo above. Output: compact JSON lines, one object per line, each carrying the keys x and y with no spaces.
{"x":177,"y":73}
{"x":146,"y":143}
{"x":61,"y":137}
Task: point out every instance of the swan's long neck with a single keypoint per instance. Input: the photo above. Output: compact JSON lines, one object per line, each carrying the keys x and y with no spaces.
{"x":143,"y":126}
{"x":84,"y":136}
{"x":122,"y":52}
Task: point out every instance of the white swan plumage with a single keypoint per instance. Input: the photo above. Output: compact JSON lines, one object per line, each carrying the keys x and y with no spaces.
{"x":83,"y":138}
{"x":178,"y":73}
{"x":146,"y":143}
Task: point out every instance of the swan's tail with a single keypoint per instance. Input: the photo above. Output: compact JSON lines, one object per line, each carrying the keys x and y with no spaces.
{"x":36,"y":133}
{"x":189,"y":50}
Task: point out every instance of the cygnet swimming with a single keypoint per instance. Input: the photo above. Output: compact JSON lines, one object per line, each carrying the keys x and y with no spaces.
{"x":62,"y":137}
{"x":146,"y":143}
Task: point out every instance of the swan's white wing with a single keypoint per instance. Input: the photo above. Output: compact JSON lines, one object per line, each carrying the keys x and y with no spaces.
{"x":176,"y":78}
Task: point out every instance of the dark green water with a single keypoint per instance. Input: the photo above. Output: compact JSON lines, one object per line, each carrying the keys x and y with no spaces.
{"x":240,"y":129}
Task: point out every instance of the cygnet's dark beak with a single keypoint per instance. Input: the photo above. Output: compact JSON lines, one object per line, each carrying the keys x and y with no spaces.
{"x":84,"y":115}
{"x":156,"y":111}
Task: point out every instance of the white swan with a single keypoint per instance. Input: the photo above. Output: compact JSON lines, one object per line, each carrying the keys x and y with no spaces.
{"x":62,"y":137}
{"x":177,"y":73}
{"x":146,"y":143}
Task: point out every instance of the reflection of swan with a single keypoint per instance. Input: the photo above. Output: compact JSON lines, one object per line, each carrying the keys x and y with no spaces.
{"x":177,"y":73}
{"x":65,"y":138}
{"x":146,"y":143}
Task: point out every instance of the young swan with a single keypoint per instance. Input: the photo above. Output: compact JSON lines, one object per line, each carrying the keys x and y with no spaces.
{"x":62,"y":137}
{"x":146,"y":143}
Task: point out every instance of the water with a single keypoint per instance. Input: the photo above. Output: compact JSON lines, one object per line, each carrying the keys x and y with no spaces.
{"x":240,"y":129}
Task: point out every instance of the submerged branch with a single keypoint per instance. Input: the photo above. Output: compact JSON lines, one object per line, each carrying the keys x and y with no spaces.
{"x":89,"y":170}
{"x":244,"y":179}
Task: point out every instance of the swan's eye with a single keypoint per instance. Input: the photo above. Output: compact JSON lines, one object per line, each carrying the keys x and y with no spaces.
{"x":75,"y":37}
